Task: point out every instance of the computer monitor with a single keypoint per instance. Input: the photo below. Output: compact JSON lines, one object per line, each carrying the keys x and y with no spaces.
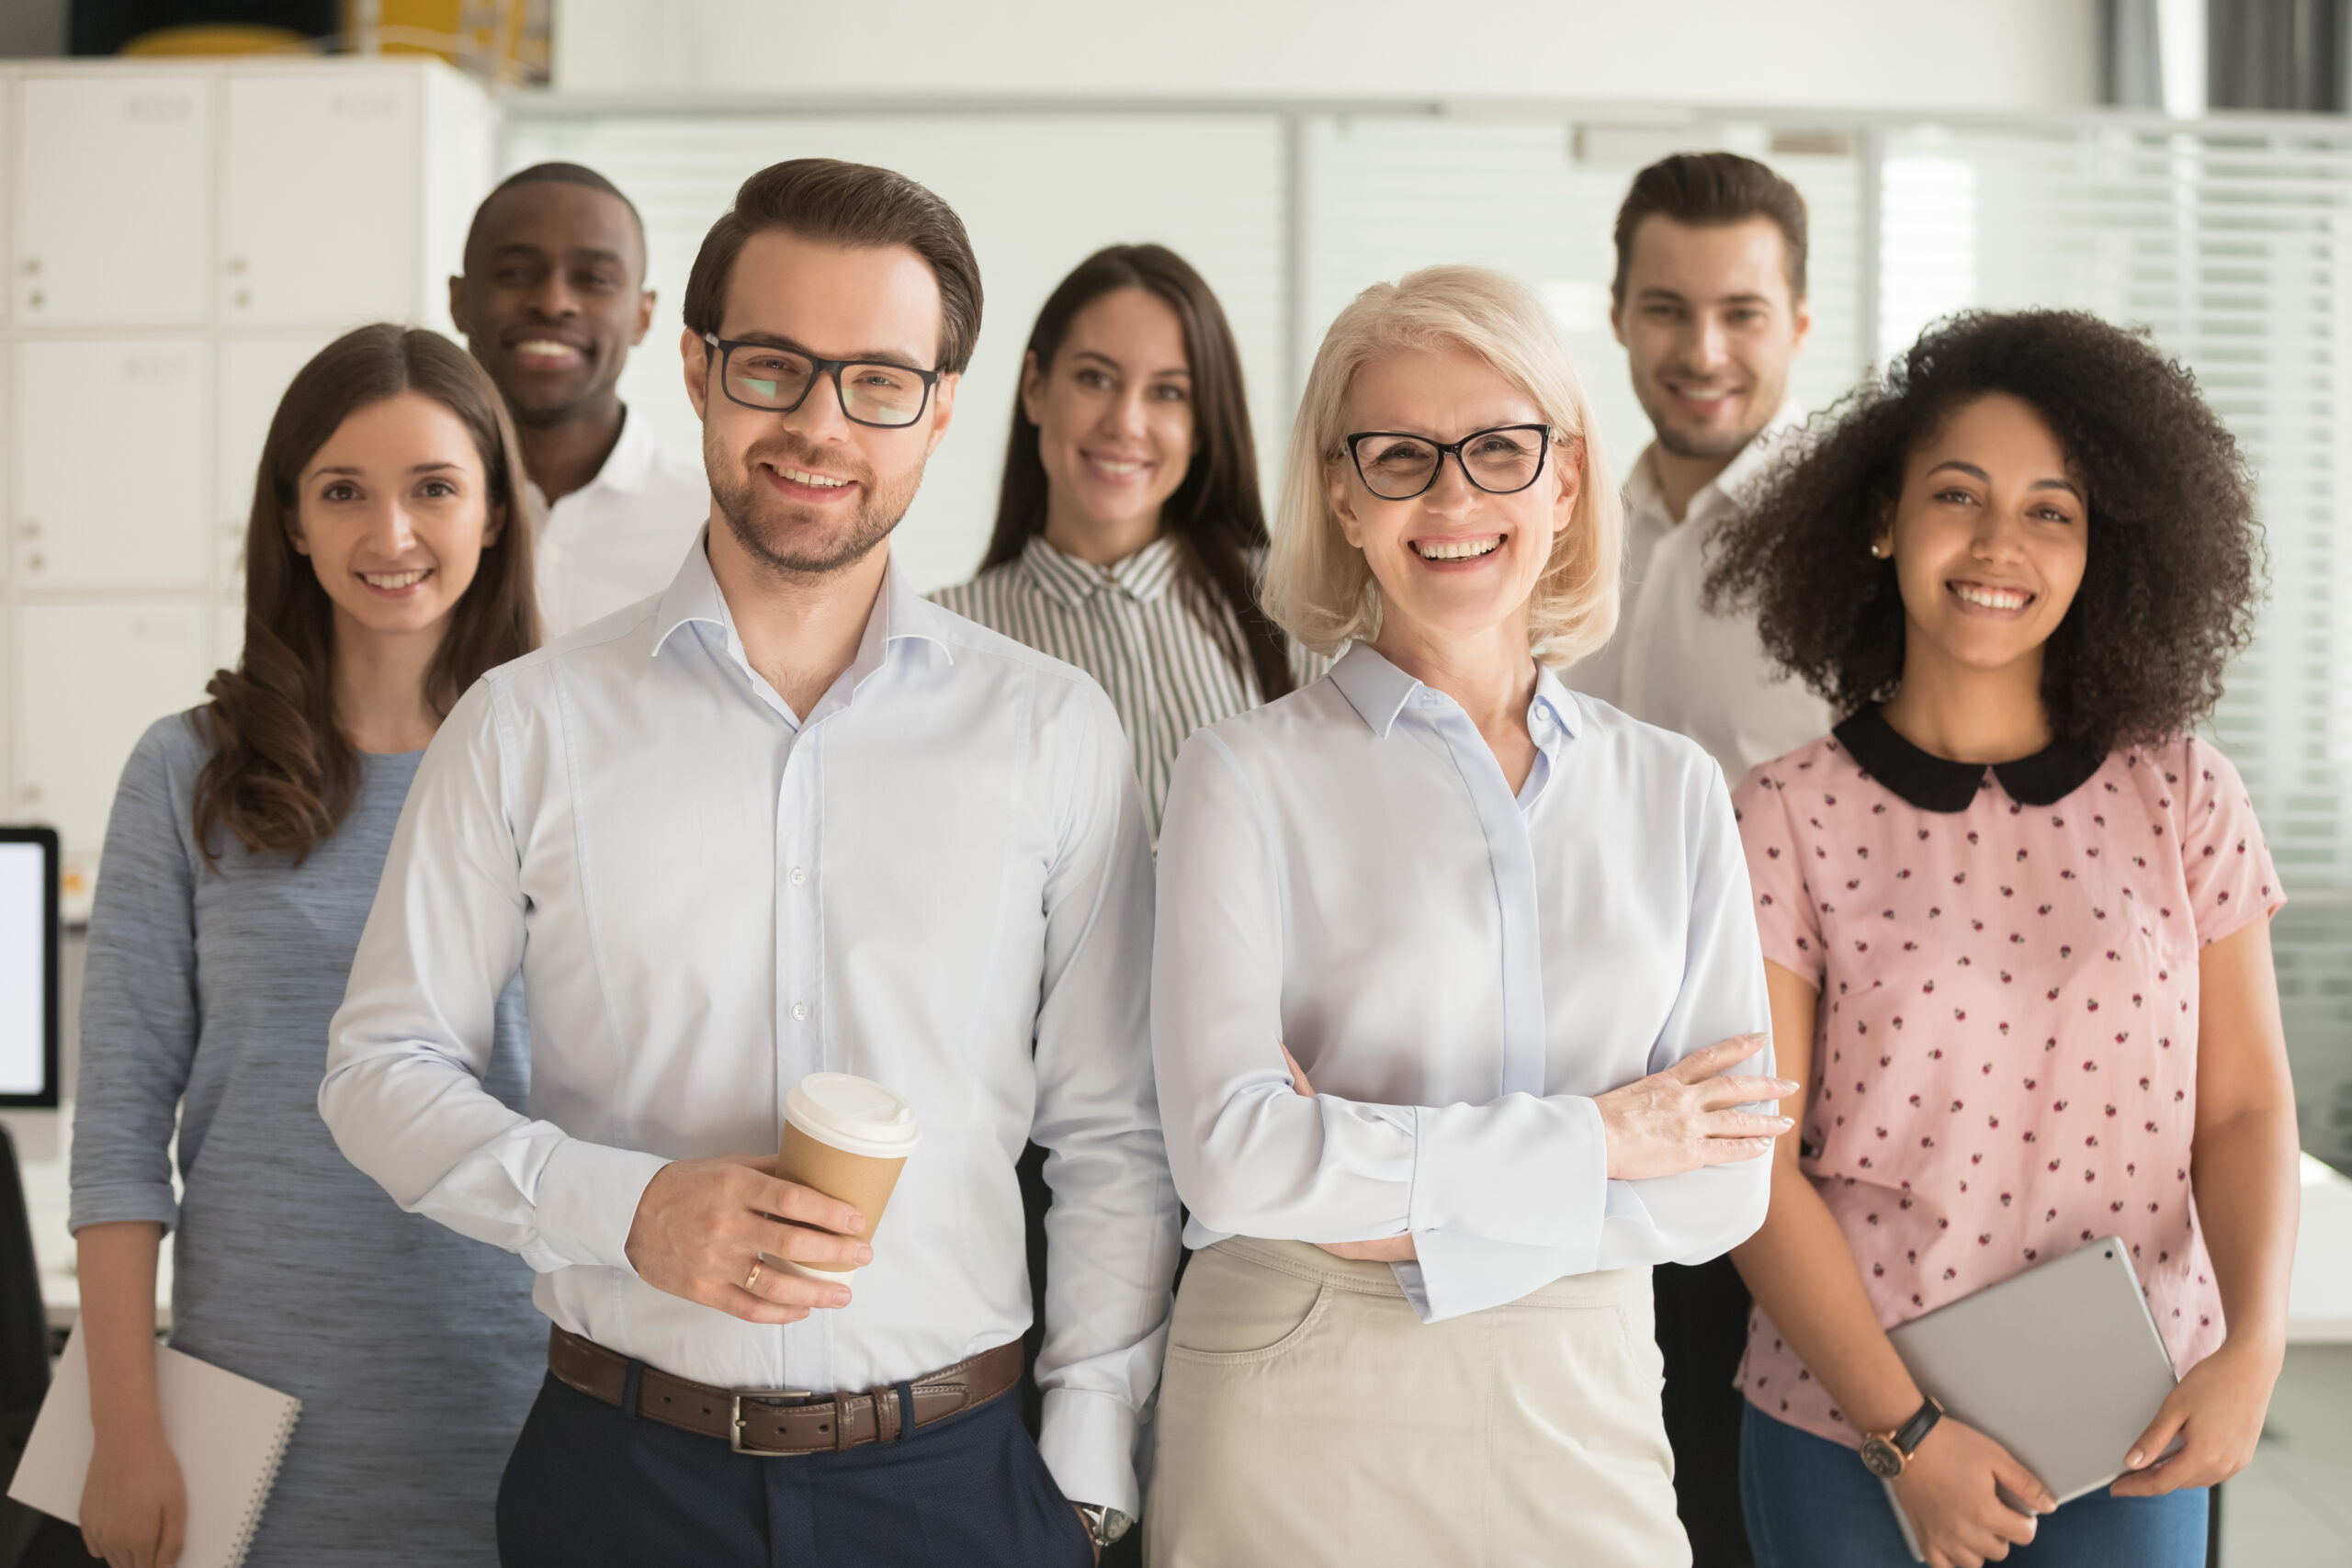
{"x":29,"y":937}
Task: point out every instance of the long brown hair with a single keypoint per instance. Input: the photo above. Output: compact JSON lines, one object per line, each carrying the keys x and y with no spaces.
{"x":1216,"y":514}
{"x":282,"y":774}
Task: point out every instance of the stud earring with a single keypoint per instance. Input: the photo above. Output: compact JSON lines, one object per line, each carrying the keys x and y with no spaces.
{"x":1878,"y":552}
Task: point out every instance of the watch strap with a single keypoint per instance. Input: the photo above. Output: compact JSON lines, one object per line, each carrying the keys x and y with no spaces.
{"x":1912,"y":1433}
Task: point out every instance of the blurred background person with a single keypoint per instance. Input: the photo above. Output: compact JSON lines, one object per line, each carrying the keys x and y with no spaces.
{"x":551,"y":301}
{"x":1390,"y":873}
{"x":386,"y":572}
{"x":1709,"y":301}
{"x":2018,"y":565}
{"x":1129,"y":533}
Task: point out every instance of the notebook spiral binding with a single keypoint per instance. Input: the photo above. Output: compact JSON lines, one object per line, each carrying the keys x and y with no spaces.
{"x":260,"y":1499}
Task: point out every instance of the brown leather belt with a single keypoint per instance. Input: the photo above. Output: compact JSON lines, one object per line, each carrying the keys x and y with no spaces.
{"x":779,"y":1423}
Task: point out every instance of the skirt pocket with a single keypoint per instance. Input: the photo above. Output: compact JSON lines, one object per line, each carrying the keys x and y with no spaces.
{"x":1232,"y":1312}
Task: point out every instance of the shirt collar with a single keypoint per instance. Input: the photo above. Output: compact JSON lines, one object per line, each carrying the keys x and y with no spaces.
{"x":900,"y":616}
{"x":1143,"y":576}
{"x":630,"y":462}
{"x":1940,"y":785}
{"x":1379,"y":692}
{"x":1739,"y":476}
{"x":628,"y":468}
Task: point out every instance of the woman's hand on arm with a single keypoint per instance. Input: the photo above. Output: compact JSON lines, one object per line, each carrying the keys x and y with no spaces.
{"x":1688,"y":1117}
{"x":2243,"y":1159}
{"x":1803,"y":1276}
{"x":134,"y":1505}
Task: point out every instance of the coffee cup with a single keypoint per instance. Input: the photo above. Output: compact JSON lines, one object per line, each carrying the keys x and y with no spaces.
{"x":847,"y":1137}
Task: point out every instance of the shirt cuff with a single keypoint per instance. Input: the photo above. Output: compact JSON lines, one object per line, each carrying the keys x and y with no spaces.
{"x":587,"y":1199}
{"x":1530,"y":1172}
{"x":1456,"y":1274}
{"x":1089,"y":1443}
{"x":149,"y":1202}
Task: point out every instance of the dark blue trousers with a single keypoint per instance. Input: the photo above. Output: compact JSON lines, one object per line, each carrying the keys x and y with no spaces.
{"x":587,"y":1485}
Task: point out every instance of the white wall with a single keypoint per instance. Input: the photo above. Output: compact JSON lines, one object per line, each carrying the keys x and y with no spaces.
{"x":1914,"y":54}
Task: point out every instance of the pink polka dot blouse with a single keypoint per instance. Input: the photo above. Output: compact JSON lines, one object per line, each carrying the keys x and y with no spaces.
{"x":2005,"y":1055}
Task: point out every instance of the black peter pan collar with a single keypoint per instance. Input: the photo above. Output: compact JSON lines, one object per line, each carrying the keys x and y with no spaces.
{"x":1938,"y":783}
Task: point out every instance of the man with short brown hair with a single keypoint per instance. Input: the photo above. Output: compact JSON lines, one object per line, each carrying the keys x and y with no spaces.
{"x":1709,"y":300}
{"x":788,"y":818}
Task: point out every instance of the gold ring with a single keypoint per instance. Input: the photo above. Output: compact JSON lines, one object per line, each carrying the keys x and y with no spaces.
{"x":751,"y":1281}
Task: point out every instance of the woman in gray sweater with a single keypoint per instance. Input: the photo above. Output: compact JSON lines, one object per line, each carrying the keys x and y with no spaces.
{"x":388,"y":566}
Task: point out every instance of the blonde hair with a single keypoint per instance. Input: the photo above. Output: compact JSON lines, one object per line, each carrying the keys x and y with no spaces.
{"x":1318,"y":587}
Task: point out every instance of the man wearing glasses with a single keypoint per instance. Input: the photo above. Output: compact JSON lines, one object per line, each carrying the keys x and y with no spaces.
{"x":551,"y":301}
{"x":788,"y":818}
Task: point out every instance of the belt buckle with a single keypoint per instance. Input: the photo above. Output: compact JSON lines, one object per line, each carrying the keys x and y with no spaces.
{"x":735,"y":1417}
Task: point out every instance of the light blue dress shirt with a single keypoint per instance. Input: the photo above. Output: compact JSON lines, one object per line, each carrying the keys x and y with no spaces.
{"x":1459,"y":971}
{"x":938,"y":878}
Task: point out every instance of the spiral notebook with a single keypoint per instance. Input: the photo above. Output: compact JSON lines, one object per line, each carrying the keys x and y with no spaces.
{"x":229,"y":1434}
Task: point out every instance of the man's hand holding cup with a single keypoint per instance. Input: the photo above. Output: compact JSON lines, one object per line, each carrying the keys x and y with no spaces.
{"x":705,"y":1228}
{"x":736,"y":1233}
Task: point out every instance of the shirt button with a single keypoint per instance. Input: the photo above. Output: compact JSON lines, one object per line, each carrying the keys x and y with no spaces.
{"x":799,"y":876}
{"x":801,"y":1012}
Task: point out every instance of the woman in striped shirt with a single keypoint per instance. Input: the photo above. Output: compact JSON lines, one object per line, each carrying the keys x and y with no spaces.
{"x":1129,"y":532}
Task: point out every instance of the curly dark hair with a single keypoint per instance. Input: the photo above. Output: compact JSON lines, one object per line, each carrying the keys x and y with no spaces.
{"x":2174,"y":553}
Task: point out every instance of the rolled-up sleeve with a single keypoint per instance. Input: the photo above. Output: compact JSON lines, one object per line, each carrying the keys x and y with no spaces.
{"x":140,"y":1002}
{"x":406,"y":1052}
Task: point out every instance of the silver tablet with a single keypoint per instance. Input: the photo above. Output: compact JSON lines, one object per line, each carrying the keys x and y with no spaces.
{"x":2061,"y":1365}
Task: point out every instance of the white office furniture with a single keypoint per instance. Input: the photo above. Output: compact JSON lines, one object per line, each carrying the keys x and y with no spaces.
{"x":180,"y":237}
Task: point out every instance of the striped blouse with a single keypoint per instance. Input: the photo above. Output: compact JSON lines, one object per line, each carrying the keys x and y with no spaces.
{"x":1127,"y":625}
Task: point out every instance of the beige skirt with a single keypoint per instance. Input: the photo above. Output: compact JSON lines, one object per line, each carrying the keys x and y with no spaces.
{"x":1306,"y":1415}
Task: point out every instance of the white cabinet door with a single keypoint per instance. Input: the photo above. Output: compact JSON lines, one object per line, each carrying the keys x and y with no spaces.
{"x":113,"y":186}
{"x":319,"y":220}
{"x":90,"y":679}
{"x":110,"y":466}
{"x":254,"y":375}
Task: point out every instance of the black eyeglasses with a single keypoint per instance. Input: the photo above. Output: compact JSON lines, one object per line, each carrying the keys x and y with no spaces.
{"x":777,"y":380}
{"x":1396,"y":465}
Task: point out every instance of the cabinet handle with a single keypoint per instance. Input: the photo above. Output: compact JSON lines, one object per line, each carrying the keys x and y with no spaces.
{"x":245,"y":297}
{"x":234,"y":265}
{"x":36,"y":562}
{"x":32,"y":266}
{"x":29,"y":530}
{"x":31,"y":792}
{"x":36,"y":300}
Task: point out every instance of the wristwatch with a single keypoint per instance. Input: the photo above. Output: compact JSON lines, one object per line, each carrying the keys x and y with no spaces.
{"x":1885,"y":1453}
{"x":1104,"y":1526}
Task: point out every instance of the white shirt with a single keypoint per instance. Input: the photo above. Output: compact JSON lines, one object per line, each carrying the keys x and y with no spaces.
{"x":938,"y":878}
{"x":1133,"y":628}
{"x":1459,"y":971}
{"x":1676,"y":666}
{"x":617,"y":538}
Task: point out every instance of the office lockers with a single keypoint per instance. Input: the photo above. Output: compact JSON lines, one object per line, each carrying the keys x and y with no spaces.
{"x":112,"y":176}
{"x":182,"y":237}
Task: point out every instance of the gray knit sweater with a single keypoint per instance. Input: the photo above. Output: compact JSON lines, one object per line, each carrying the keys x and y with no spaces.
{"x":415,"y":1351}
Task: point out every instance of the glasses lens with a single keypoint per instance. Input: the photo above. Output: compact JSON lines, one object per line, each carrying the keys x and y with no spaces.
{"x":1503,"y":460}
{"x":767,"y":377}
{"x":882,"y":394}
{"x":1396,"y":465}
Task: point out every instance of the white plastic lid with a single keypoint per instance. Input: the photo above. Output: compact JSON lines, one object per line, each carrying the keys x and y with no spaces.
{"x":852,"y":1113}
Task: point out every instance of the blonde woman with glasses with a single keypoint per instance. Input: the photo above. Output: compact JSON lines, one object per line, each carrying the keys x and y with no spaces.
{"x":1457,"y":1010}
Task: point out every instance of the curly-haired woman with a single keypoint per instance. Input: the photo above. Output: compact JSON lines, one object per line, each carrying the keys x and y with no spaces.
{"x":2022,"y":918}
{"x":246,"y":841}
